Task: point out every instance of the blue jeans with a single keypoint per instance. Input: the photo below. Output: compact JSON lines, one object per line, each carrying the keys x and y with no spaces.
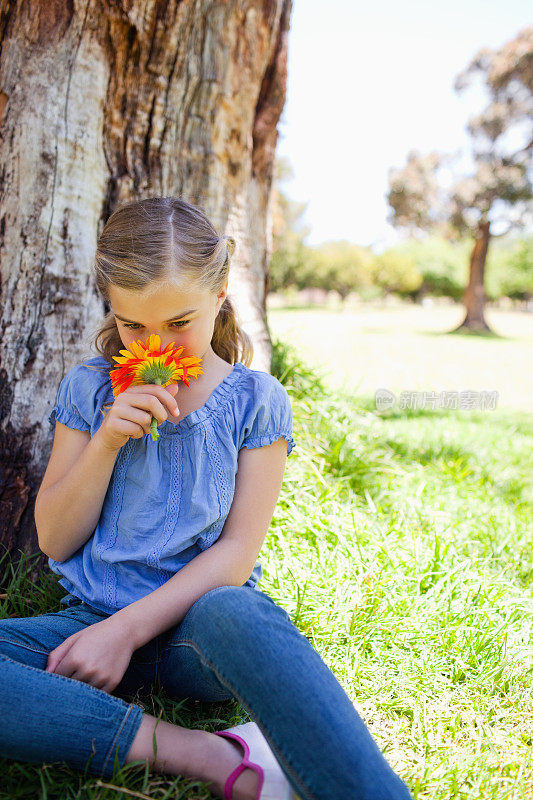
{"x":234,"y":642}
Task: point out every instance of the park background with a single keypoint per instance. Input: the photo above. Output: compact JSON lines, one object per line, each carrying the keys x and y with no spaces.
{"x":384,"y":292}
{"x":433,"y":419}
{"x":401,"y":545}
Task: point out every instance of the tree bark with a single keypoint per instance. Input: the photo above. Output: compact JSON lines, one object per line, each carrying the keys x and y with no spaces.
{"x":474,"y":297}
{"x":103,"y":103}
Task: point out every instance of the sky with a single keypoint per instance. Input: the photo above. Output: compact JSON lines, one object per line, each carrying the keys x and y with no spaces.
{"x":367,"y":82}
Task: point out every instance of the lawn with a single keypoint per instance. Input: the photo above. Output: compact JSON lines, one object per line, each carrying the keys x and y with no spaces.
{"x":401,"y":546}
{"x":414,"y":575}
{"x":404,"y":348}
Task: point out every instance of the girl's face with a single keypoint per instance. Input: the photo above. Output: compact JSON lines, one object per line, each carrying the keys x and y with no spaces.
{"x":185,"y":318}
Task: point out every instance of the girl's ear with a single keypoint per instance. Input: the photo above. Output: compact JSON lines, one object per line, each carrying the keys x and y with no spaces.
{"x":225,"y":287}
{"x":222,"y":296}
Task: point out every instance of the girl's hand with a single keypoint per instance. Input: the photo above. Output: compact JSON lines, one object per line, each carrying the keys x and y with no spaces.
{"x":132,"y":412}
{"x":98,"y":655}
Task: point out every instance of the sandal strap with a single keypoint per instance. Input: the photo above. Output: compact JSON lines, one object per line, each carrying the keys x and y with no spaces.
{"x":228,"y":786}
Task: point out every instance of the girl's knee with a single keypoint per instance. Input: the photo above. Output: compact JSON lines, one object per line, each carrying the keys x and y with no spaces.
{"x":226,"y":597}
{"x":238,"y":610}
{"x":217,"y":608}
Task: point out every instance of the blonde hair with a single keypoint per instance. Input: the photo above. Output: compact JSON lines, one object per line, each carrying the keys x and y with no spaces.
{"x":162,"y":240}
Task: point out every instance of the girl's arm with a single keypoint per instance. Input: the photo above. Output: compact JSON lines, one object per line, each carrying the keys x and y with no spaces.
{"x":227,"y":562}
{"x":70,"y":499}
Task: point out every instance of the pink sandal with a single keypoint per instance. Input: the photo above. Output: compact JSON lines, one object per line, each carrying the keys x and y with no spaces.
{"x":271,"y":781}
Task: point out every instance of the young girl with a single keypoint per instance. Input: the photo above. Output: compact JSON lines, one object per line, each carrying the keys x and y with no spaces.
{"x":157,"y":541}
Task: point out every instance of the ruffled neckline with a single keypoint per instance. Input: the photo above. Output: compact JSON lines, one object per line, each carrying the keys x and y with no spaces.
{"x":223,"y":391}
{"x":219,"y":395}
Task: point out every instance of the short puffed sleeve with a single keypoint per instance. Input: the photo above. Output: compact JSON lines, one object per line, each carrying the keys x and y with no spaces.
{"x":76,"y":400}
{"x":269,"y":414}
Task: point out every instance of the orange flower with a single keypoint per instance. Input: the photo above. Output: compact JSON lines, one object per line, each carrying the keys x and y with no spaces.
{"x":146,"y":363}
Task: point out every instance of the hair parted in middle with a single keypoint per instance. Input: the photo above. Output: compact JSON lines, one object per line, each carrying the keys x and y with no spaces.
{"x":167,"y":240}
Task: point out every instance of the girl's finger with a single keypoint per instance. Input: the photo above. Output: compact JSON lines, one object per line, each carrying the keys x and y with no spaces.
{"x":55,"y":662}
{"x":148,"y":404}
{"x":55,"y":656}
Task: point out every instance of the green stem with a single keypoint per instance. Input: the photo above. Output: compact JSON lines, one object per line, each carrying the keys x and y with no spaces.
{"x":154,"y":433}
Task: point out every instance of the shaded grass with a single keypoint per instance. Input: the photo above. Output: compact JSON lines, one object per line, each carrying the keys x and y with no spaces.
{"x":402,"y":548}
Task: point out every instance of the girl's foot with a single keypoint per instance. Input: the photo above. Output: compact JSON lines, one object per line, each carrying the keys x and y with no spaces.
{"x":194,"y":754}
{"x":226,"y":756}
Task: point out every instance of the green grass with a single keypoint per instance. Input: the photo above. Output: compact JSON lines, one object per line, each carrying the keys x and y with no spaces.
{"x":402,"y":547}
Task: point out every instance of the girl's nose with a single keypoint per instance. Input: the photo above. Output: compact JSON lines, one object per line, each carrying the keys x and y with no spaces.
{"x":169,"y":340}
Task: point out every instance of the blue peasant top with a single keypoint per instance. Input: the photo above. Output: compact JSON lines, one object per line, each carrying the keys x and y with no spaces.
{"x":166,"y":500}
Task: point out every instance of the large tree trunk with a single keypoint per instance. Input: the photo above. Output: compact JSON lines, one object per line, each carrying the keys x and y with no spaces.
{"x":104,"y":103}
{"x":474,"y":296}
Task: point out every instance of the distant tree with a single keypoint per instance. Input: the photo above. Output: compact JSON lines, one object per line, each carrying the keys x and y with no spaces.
{"x":441,"y":263}
{"x":511,"y":270}
{"x":334,"y":265}
{"x":289,"y":263}
{"x":498,"y":190}
{"x":342,"y":266}
{"x":397,"y":272}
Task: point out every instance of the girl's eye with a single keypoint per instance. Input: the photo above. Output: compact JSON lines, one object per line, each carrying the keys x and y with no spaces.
{"x":135,"y":325}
